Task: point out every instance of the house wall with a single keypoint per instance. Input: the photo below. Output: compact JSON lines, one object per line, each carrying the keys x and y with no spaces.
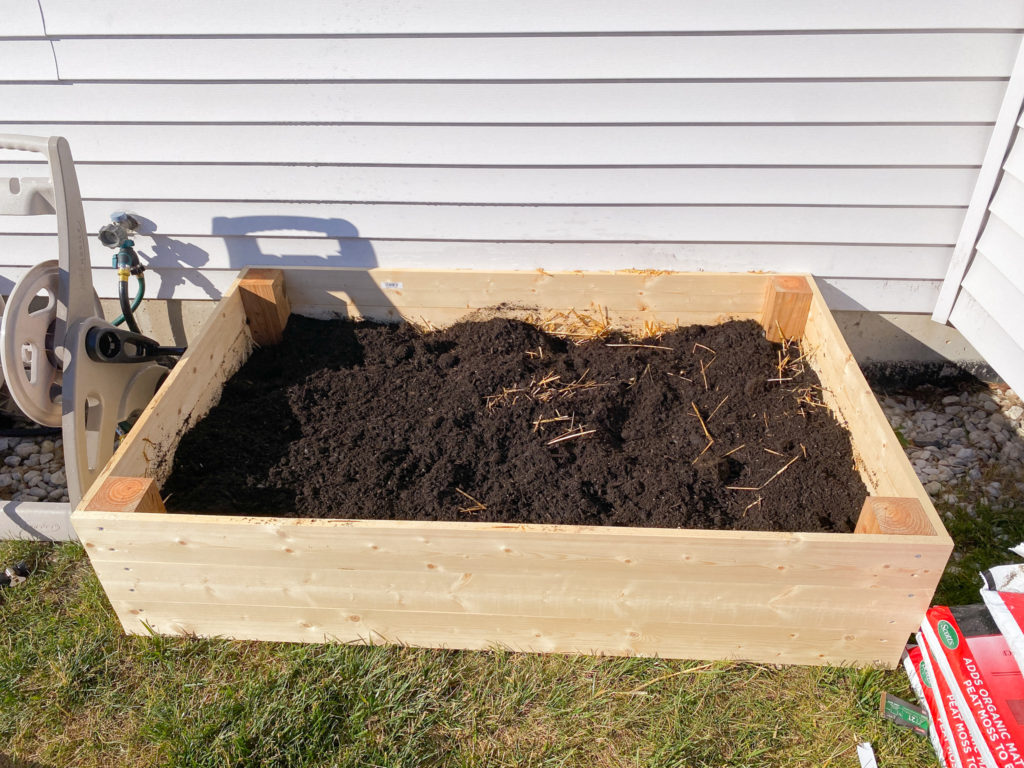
{"x":990,"y":307}
{"x":839,"y":139}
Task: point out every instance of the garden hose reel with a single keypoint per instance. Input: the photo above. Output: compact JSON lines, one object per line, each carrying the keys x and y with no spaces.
{"x":64,"y":364}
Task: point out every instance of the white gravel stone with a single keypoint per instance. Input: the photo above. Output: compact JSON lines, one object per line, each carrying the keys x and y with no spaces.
{"x":12,"y":461}
{"x":1014,"y":413}
{"x":26,"y":449}
{"x":58,"y":478}
{"x":950,"y":399}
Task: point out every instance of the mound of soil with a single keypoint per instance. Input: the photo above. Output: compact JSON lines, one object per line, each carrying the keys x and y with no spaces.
{"x":498,"y":421}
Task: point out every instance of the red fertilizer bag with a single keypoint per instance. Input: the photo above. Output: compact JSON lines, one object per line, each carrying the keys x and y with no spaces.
{"x":1003,"y":593}
{"x":960,"y":741}
{"x":920,"y":683}
{"x":983,"y":677}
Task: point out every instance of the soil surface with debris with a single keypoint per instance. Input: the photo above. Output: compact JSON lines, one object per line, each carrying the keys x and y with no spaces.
{"x":498,"y":421}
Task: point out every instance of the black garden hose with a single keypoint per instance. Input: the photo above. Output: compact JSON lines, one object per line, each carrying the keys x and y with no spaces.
{"x":126,"y":307}
{"x":30,"y":432}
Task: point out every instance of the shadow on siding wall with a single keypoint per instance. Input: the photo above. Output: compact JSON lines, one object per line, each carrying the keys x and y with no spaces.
{"x":240,"y":235}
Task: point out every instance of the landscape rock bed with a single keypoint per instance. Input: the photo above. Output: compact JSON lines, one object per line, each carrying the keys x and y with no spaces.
{"x":32,"y":468}
{"x":966,"y":445}
{"x":701,"y":427}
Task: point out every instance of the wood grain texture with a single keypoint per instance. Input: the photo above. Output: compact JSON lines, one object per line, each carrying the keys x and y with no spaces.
{"x":265,"y":303}
{"x":191,"y":389}
{"x":787,"y":301}
{"x":768,"y":597}
{"x":893,"y":516}
{"x":127,"y":494}
{"x":810,"y":645}
{"x":620,"y":591}
{"x":878,"y":454}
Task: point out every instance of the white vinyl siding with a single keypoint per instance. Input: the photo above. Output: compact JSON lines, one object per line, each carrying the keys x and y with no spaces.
{"x":989,"y":309}
{"x":835,"y":138}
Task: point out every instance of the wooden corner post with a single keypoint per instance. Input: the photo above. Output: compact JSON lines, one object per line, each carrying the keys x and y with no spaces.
{"x":265,"y":304}
{"x":896,"y":516}
{"x":787,"y":302}
{"x":127,"y":494}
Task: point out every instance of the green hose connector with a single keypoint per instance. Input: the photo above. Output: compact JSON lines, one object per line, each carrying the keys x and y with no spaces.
{"x":137,"y":300}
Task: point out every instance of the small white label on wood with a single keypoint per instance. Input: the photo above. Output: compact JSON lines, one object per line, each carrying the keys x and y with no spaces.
{"x":389,"y":285}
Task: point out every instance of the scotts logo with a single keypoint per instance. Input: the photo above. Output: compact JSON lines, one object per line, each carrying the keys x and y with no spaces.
{"x":947,"y":634}
{"x":922,"y":670}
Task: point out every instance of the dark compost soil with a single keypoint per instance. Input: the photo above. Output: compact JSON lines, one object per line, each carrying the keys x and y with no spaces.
{"x":360,"y":420}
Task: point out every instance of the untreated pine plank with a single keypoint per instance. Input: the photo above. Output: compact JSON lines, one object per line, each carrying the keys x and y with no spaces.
{"x":425,"y":547}
{"x":126,"y":494}
{"x":620,"y":636}
{"x":584,"y":597}
{"x":894,"y":516}
{"x":190,"y":391}
{"x":880,"y":458}
{"x":266,"y":305}
{"x":537,"y":291}
{"x":786,"y":304}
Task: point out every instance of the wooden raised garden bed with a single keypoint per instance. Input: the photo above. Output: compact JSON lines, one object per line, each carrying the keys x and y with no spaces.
{"x":800,"y":598}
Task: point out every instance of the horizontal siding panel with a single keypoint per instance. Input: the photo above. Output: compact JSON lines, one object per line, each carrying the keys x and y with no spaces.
{"x":911,"y":226}
{"x":579,"y":186}
{"x":871,"y":294}
{"x":874,"y":295}
{"x":234,"y":252}
{"x":1000,"y":297}
{"x":21,"y":18}
{"x":72,"y":17}
{"x":504,"y":146}
{"x":1014,"y":164}
{"x":990,"y":338}
{"x":757,"y":102}
{"x":1008,"y":202}
{"x":25,"y":60}
{"x":541,"y":58}
{"x":1004,"y":248}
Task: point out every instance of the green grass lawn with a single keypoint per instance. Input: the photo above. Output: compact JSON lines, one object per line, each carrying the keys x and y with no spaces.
{"x":75,"y":691}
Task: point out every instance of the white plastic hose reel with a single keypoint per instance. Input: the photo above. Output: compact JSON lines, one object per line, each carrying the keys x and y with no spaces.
{"x":34,"y":375}
{"x":48,"y":316}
